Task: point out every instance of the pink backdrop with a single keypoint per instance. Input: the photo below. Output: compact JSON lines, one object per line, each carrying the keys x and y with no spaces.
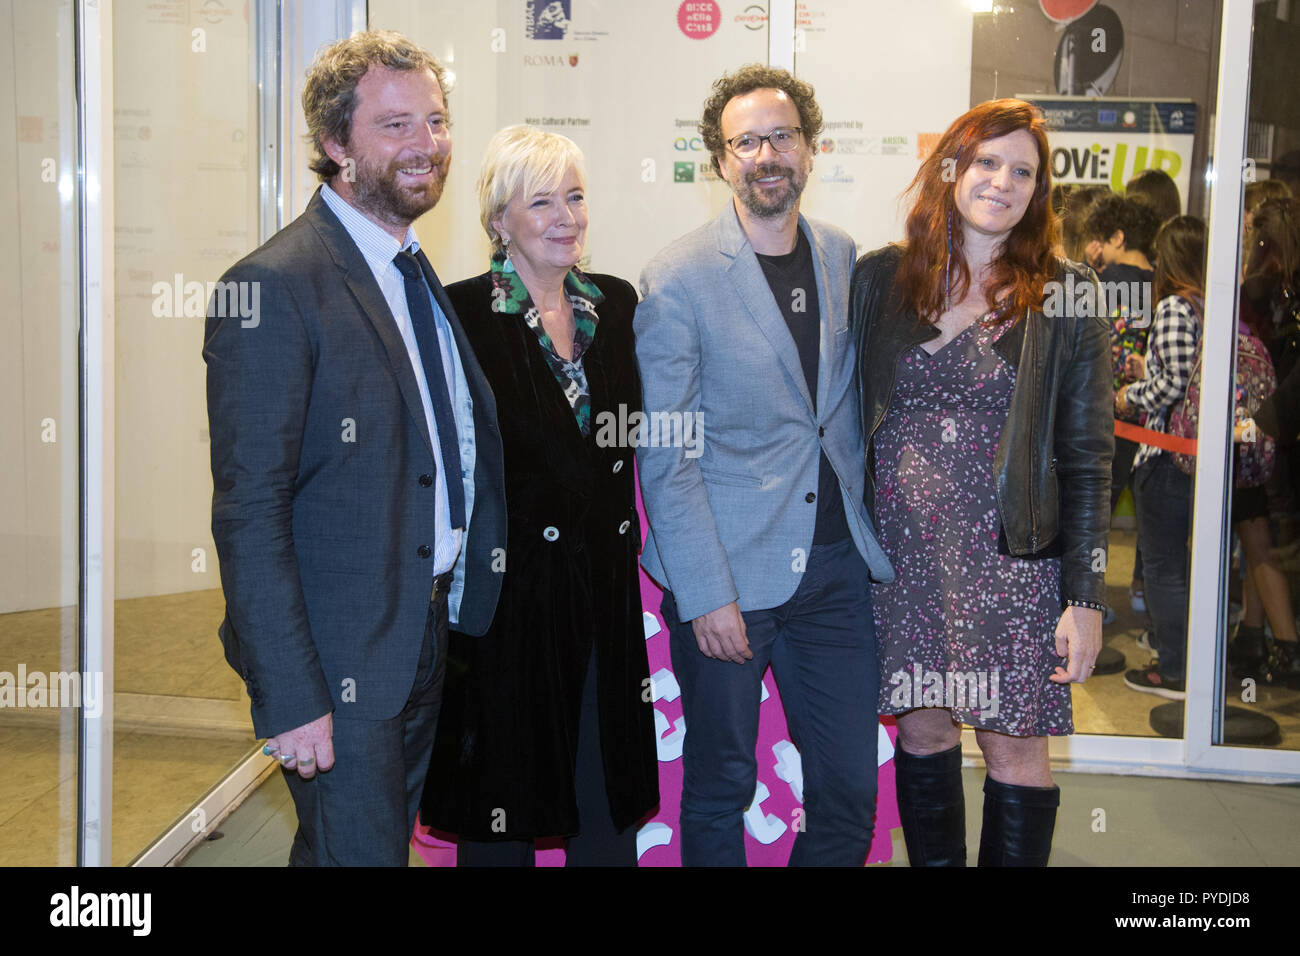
{"x":769,"y":824}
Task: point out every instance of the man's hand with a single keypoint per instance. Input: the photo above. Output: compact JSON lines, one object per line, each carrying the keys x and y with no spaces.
{"x":307,"y":748}
{"x":1078,"y":640}
{"x":721,"y":634}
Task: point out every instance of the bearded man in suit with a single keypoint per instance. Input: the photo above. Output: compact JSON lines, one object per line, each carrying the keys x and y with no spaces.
{"x":356,"y":463}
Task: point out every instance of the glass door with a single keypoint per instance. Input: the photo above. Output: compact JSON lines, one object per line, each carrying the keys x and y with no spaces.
{"x":43,"y":688}
{"x":1249,"y":588}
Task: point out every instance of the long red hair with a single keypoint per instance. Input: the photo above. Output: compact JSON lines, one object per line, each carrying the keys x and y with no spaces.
{"x":1027,"y":261}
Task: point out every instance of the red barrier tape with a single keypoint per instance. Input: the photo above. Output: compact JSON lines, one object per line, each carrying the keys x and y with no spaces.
{"x":1183,"y":446}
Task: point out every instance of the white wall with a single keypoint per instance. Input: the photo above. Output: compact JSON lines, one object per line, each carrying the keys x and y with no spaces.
{"x":637,"y":76}
{"x":887,"y":73}
{"x":639,"y":84}
{"x":38,"y":325}
{"x":186,"y":185}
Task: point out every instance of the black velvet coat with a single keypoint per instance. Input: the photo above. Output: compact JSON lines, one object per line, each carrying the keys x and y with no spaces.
{"x":504,"y":756}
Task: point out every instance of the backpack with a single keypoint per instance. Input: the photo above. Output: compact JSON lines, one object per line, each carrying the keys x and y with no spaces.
{"x":1126,"y":340}
{"x":1256,"y":381}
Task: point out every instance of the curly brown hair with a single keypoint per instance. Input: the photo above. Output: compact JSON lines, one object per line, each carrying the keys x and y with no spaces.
{"x":329,"y":95}
{"x":1135,"y":218}
{"x":756,"y":76}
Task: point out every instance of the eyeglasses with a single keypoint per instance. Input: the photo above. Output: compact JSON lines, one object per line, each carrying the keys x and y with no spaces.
{"x":783,"y":140}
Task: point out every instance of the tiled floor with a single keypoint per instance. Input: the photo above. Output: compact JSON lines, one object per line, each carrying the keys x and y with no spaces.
{"x":181,"y":723}
{"x":1103,"y":821}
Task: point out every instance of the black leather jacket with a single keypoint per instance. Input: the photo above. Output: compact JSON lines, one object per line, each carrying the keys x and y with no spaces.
{"x":1052,"y":467}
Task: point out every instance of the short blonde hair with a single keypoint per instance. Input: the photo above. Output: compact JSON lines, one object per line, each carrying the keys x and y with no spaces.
{"x":523,"y":161}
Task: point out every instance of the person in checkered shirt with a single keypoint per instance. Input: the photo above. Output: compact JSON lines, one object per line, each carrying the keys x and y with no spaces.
{"x":1163,"y":493}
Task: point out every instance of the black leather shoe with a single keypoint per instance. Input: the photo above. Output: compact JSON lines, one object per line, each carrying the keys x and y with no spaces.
{"x":1018,"y":824}
{"x":932,"y":807}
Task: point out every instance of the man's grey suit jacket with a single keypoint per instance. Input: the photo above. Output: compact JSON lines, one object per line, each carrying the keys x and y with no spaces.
{"x":734,"y":523}
{"x":322,"y":507}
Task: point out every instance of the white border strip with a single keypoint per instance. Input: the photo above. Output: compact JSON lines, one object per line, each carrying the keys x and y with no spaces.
{"x":198,"y":823}
{"x":271,"y":144}
{"x":95,"y":182}
{"x":1205,"y":605}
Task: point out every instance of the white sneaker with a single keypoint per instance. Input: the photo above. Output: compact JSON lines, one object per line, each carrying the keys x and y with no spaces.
{"x":1137,"y":600}
{"x":1144,"y":642}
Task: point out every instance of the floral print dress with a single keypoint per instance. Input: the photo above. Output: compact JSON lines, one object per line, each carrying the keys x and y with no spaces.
{"x":961,"y":626}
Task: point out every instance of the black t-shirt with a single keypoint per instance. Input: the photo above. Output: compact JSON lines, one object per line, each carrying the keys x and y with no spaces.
{"x":1119,"y":273}
{"x":793,"y":282}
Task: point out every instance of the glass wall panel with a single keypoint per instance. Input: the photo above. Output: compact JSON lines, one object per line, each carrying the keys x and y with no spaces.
{"x":185,"y":185}
{"x":1262,"y":586}
{"x":41,"y":685}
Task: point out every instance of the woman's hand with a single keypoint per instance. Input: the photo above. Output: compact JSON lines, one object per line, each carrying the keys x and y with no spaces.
{"x":1078,"y":639}
{"x":1135,"y":367}
{"x":1122,"y":407}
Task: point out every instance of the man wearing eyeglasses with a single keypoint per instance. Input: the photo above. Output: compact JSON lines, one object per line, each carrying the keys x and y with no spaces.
{"x":760,"y":536}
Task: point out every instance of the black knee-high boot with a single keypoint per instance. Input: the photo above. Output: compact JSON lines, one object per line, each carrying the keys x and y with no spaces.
{"x":932,"y":807}
{"x":1018,"y":824}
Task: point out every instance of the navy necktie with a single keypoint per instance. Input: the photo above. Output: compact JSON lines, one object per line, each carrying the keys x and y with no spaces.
{"x":426,"y":338}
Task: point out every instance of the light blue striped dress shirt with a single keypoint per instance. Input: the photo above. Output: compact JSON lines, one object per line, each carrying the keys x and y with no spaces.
{"x":379,"y":248}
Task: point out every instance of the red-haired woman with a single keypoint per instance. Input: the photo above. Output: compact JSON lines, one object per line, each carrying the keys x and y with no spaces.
{"x":984,"y":369}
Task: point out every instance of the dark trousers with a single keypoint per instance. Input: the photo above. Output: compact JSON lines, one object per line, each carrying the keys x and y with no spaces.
{"x":362,"y":812}
{"x":598,"y":843}
{"x":1164,"y":510}
{"x":1121,"y":469}
{"x":822,"y":647}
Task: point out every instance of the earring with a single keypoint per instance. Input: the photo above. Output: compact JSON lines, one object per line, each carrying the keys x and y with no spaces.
{"x":947,"y":268}
{"x":505,"y":244}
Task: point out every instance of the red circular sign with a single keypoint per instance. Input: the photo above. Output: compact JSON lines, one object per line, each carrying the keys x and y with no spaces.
{"x":699,"y":18}
{"x":1063,"y":11}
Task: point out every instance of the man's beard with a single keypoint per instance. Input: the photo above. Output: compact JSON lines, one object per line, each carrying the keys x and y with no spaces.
{"x":378,"y":193}
{"x":766,"y":205}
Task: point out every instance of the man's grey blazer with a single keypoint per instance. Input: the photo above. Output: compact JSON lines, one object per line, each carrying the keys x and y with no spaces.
{"x":323,"y":498}
{"x":731,"y":520}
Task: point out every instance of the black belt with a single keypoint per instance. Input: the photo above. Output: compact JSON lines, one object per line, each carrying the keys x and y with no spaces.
{"x":441,"y":585}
